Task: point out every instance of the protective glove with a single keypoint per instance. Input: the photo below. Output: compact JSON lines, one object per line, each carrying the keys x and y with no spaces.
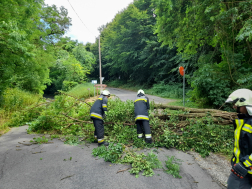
{"x":105,"y":114}
{"x":239,"y":170}
{"x":248,"y":162}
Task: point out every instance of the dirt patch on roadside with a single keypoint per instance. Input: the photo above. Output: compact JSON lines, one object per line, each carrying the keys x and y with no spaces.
{"x":91,"y":99}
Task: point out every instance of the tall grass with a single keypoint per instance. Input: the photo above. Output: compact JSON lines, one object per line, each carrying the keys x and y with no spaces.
{"x":12,"y":100}
{"x":3,"y":120}
{"x":15,"y":99}
{"x":85,"y":90}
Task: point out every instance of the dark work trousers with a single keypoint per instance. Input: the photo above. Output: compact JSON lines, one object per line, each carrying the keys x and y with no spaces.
{"x":143,"y":127}
{"x":235,"y":182}
{"x":99,"y":128}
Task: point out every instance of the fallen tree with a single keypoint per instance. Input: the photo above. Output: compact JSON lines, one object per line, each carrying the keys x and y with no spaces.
{"x":68,"y":118}
{"x":219,"y":117}
{"x":190,"y":110}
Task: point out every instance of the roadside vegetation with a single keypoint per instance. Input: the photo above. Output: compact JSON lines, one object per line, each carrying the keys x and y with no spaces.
{"x":15,"y":101}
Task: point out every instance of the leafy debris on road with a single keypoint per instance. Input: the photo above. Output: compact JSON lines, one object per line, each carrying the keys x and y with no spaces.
{"x":67,"y":177}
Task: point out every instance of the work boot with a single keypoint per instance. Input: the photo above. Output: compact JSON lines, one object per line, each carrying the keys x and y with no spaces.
{"x":148,"y":140}
{"x":103,"y":143}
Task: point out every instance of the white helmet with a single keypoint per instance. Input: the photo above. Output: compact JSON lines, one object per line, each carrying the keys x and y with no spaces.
{"x":140,"y":91}
{"x":106,"y":92}
{"x":241,"y":97}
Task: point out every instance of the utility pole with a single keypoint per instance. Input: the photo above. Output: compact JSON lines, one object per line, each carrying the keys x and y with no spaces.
{"x":100,"y":61}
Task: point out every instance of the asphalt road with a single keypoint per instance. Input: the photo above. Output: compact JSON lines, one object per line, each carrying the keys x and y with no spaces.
{"x":59,"y":166}
{"x":131,"y":95}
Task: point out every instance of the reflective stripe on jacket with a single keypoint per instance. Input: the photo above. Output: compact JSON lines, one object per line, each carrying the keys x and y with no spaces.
{"x":99,"y":107}
{"x":141,"y":107}
{"x":243,"y":141}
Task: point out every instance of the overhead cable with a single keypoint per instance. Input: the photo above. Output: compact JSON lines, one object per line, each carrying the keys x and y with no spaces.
{"x":79,"y":18}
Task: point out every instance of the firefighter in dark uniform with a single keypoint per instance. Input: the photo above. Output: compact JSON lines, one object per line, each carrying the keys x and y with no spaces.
{"x":97,"y":113}
{"x":141,"y":106}
{"x":241,"y":172}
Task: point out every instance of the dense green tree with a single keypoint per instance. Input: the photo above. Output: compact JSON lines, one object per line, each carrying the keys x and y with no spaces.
{"x":132,"y":51}
{"x":66,"y":43}
{"x":16,"y":49}
{"x":94,"y":75}
{"x":87,"y":59}
{"x":71,"y":67}
{"x":54,"y":22}
{"x":88,"y":46}
{"x":28,"y":29}
{"x":217,"y":31}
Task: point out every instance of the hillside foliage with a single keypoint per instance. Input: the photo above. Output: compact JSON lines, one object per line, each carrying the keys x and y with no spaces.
{"x":147,"y":41}
{"x":143,"y":45}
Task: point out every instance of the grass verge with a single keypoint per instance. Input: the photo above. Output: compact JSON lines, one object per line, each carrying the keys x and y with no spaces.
{"x":14,"y":100}
{"x":174,"y":92}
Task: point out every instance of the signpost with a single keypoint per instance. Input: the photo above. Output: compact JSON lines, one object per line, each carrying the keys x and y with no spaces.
{"x":182,"y":72}
{"x":100,"y":86}
{"x":94,"y":82}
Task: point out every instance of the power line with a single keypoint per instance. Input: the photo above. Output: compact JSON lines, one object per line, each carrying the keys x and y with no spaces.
{"x":79,"y":18}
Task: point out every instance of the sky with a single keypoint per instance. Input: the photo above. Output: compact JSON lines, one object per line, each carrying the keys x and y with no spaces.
{"x":91,"y":14}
